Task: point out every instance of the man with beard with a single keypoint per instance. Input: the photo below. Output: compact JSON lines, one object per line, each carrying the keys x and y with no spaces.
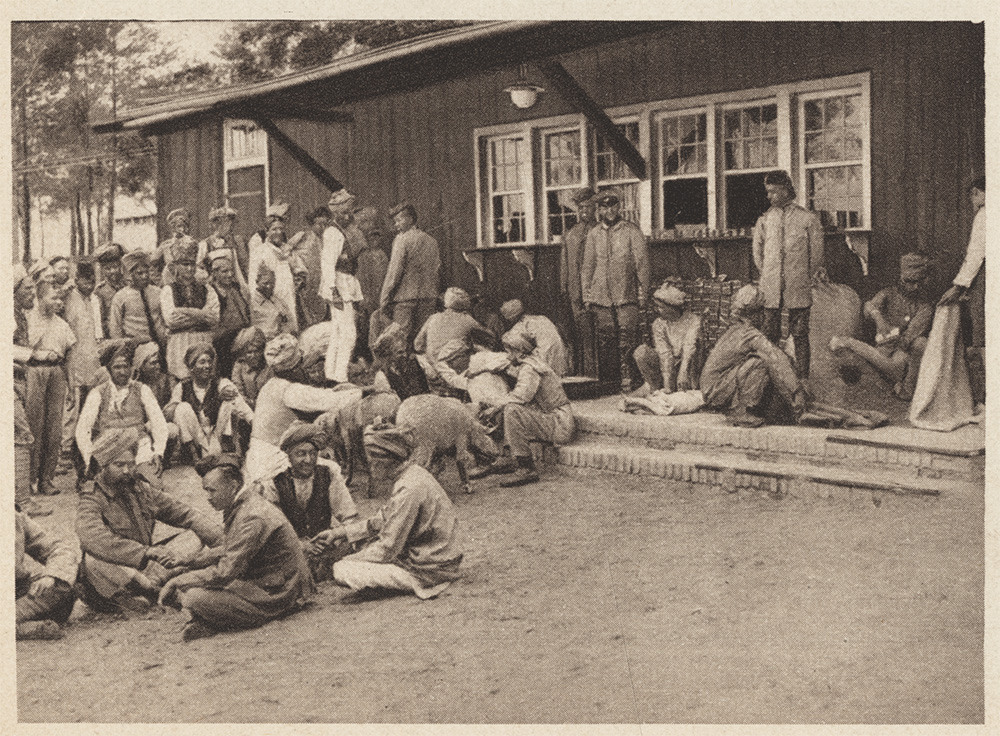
{"x":234,"y":310}
{"x":135,"y":309}
{"x":109,"y":257}
{"x":190,"y":309}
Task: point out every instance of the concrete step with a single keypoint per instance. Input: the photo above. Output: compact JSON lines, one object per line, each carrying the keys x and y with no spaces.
{"x":904,"y":452}
{"x":733,"y":471}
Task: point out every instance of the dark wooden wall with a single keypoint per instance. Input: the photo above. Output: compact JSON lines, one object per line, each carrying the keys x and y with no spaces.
{"x":189,"y":163}
{"x":928,"y":116}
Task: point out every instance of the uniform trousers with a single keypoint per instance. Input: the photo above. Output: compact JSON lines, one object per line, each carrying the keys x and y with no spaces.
{"x":617,"y":330}
{"x":798,"y":328}
{"x":411,"y":315}
{"x":44,"y":404}
{"x":55,"y":604}
{"x":523,"y":424}
{"x":223,"y":610}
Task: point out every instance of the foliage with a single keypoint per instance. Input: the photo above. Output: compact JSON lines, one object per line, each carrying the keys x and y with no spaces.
{"x":258,"y":50}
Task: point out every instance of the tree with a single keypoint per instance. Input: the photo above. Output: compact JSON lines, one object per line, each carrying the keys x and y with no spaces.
{"x":253,"y":51}
{"x":65,"y":75}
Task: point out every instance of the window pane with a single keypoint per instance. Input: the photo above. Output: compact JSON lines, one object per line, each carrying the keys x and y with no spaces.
{"x":769,"y":155}
{"x":814,"y":147}
{"x":835,"y":194}
{"x":746,"y":199}
{"x":562,"y":165}
{"x":734,"y":155}
{"x":852,"y":145}
{"x":249,"y":180}
{"x":754,"y":135}
{"x":813,"y":114}
{"x":833,"y":116}
{"x":733,"y":124}
{"x":685,"y":202}
{"x":508,"y":219}
{"x":852,"y":111}
{"x":834,"y":149}
{"x":561,"y":212}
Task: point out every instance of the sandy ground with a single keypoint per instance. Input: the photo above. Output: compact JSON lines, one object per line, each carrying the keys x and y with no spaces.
{"x":587,"y":598}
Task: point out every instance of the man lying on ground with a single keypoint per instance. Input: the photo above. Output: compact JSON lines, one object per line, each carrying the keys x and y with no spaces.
{"x":44,"y":573}
{"x":261,"y":572}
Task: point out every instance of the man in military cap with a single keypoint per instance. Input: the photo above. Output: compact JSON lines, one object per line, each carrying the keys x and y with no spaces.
{"x":672,"y":362}
{"x":902,"y":314}
{"x":748,"y":376}
{"x":788,"y":253}
{"x":410,"y":289}
{"x":574,"y":243}
{"x":135,"y":311}
{"x":312,"y":494}
{"x":260,"y":572}
{"x":109,"y":257}
{"x":123,"y":568}
{"x":615,"y":282}
{"x":190,"y":308}
{"x":222,"y":220}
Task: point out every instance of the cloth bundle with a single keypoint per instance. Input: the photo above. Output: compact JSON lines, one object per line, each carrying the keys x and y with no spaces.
{"x":942,"y":400}
{"x":664,"y":404}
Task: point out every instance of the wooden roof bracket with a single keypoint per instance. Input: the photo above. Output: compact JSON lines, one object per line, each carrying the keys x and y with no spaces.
{"x":571,"y":91}
{"x":297,"y":152}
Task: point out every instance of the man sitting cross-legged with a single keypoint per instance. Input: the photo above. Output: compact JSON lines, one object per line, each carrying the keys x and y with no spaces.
{"x":44,"y":572}
{"x":122,"y":567}
{"x":260,"y":572}
{"x":414,"y":547}
{"x":313,"y":496}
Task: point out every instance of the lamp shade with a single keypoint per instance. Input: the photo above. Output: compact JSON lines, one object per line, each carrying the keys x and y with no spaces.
{"x":524,"y":94}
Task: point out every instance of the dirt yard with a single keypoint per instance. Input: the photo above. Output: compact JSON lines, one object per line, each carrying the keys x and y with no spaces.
{"x":586,"y":599}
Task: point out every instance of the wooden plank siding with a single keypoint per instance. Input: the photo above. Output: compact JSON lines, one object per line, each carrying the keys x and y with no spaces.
{"x":927,"y":132}
{"x":189,"y":165}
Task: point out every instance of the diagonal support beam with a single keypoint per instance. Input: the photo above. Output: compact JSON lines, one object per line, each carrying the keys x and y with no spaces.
{"x":300,"y":154}
{"x":577,"y":96}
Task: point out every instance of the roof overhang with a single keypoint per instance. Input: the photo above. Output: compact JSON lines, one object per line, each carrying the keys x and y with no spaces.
{"x":401,"y":66}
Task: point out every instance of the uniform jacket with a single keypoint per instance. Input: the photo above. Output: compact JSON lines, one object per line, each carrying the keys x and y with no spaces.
{"x":413,"y":268}
{"x":117,"y":526}
{"x":261,"y":558}
{"x":615,"y":265}
{"x":787,"y":250}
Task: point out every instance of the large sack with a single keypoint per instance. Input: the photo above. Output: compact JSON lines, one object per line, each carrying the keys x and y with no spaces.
{"x":942,"y":400}
{"x":836,"y":312}
{"x":663,"y":404}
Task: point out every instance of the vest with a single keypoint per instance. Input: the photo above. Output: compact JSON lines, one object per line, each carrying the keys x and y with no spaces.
{"x":210,"y":405}
{"x":131,"y":414}
{"x":315,"y":517}
{"x":194,"y":296}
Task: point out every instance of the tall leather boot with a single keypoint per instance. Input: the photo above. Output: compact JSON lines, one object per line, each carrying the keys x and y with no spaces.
{"x":802,"y":355}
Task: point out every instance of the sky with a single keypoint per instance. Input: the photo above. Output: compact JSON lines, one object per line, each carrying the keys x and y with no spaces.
{"x":195,"y":39}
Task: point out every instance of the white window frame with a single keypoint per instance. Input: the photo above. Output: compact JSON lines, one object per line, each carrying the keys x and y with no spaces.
{"x":231,"y":162}
{"x":544,"y":188}
{"x":710,"y":159}
{"x":642,"y":144}
{"x":791,"y":151}
{"x":864,"y":161}
{"x":525,"y":190}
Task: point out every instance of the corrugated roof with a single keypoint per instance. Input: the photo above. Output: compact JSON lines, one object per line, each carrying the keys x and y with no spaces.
{"x":180,"y":107}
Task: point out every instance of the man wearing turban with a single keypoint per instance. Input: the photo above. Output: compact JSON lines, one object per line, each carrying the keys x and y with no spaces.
{"x":122,"y":567}
{"x":179,"y":224}
{"x":121,"y":403}
{"x":541,"y":330}
{"x":204,"y":406}
{"x":250,"y":371}
{"x":672,"y":363}
{"x":284,"y":399}
{"x":313,"y":496}
{"x":748,"y":376}
{"x":190,"y":308}
{"x":902,"y":314}
{"x":536,"y":409}
{"x":454,"y":325}
{"x":414,"y":544}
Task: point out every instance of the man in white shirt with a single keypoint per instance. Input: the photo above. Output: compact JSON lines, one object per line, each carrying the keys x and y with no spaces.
{"x":969,"y":287}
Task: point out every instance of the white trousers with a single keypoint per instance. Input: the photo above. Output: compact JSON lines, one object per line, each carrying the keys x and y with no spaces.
{"x":361,"y":575}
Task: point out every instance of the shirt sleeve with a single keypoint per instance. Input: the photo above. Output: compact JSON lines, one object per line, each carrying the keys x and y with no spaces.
{"x":167,"y":309}
{"x":243,"y":541}
{"x":85,"y":423}
{"x":98,"y":540}
{"x":176,"y":513}
{"x":817,"y":259}
{"x":975,"y":254}
{"x":589,"y":264}
{"x":527,"y":385}
{"x":758,"y":243}
{"x":661,"y":344}
{"x":211,"y":310}
{"x":342,"y":508}
{"x":240,"y":406}
{"x":154,"y":415}
{"x":116,"y":316}
{"x":399,"y":515}
{"x":395,"y":271}
{"x":318,"y":400}
{"x":779,"y":366}
{"x":640,"y":255}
